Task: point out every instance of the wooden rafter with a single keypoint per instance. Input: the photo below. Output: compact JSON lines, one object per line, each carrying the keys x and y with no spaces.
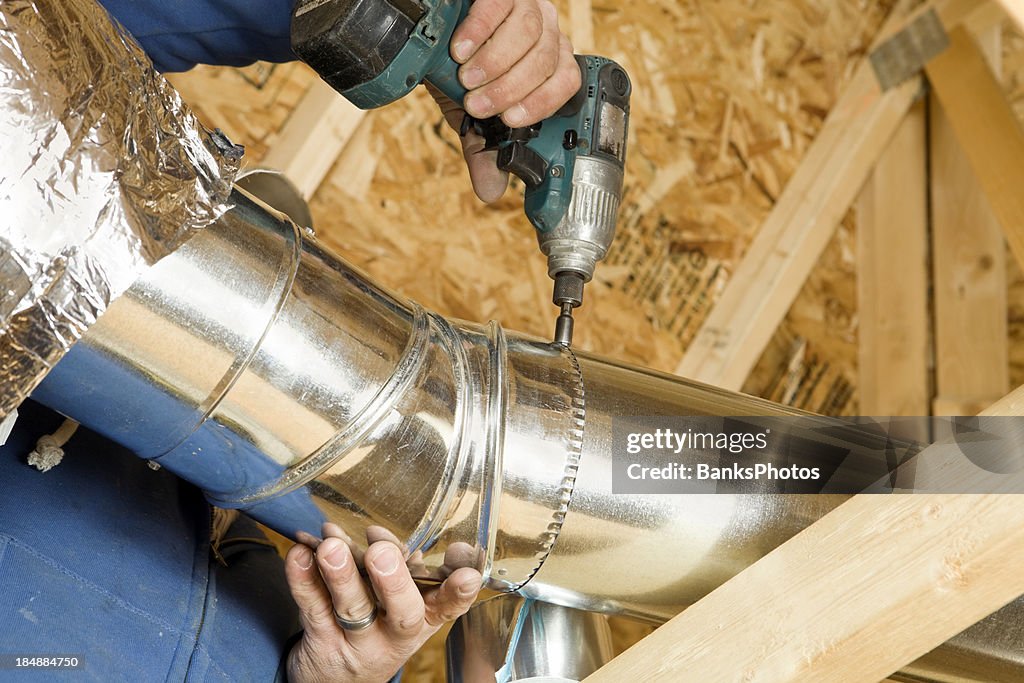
{"x":844,"y":599}
{"x":969,"y":274}
{"x":314,"y":136}
{"x":987,"y":128}
{"x":788,"y":244}
{"x":893,"y":325}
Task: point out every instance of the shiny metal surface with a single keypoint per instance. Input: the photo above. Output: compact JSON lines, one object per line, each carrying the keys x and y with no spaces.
{"x":276,"y":377}
{"x":991,"y":651}
{"x":509,"y":638}
{"x":105,"y":171}
{"x":279,"y":379}
{"x":282,"y":381}
{"x":166,"y":352}
{"x":650,"y":556}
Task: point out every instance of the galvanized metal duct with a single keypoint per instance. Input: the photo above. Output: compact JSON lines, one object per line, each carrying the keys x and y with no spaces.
{"x":269,"y":372}
{"x":283,"y":382}
{"x":511,"y":639}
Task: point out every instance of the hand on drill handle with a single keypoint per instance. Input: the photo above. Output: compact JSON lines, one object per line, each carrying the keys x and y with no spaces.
{"x":516,"y":63}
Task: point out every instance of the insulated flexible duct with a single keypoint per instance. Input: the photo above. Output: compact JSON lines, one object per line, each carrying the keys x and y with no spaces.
{"x":104,"y":171}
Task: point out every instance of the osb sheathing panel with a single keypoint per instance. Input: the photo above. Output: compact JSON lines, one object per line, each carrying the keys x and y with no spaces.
{"x":728,"y":96}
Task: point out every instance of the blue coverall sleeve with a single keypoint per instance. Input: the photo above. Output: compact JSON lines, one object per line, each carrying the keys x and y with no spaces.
{"x":178,"y":34}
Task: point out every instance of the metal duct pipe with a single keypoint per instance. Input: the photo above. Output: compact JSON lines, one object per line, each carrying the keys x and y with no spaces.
{"x":282,"y":381}
{"x":509,"y":638}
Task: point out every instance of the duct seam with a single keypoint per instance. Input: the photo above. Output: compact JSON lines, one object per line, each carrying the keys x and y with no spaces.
{"x":286,"y":279}
{"x":434,"y":521}
{"x":497,"y":410}
{"x":573,"y":452}
{"x":361,"y":424}
{"x":282,"y":290}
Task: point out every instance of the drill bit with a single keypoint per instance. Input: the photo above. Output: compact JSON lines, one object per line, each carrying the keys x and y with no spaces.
{"x":568,"y":295}
{"x":564,"y":325}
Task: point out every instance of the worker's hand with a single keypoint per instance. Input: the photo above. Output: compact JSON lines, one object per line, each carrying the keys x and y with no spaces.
{"x":516,"y":63}
{"x":326,"y":583}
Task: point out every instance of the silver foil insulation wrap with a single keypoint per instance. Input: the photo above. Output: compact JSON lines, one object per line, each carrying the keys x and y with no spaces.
{"x":104,"y":171}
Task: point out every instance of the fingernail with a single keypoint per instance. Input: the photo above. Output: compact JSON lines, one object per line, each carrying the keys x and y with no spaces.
{"x":335,"y":557}
{"x":479,"y":105}
{"x":386,"y":562}
{"x":304,"y":557}
{"x":463,"y":49}
{"x":473,"y":77}
{"x":468,"y":588}
{"x":515,"y":116}
{"x":307,"y":539}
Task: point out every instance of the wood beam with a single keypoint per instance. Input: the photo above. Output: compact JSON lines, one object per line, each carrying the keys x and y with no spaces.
{"x":788,"y":244}
{"x":314,"y":136}
{"x":873,"y":585}
{"x":969,"y":266}
{"x":987,"y":128}
{"x":581,"y":26}
{"x":1015,"y":8}
{"x":892,"y":277}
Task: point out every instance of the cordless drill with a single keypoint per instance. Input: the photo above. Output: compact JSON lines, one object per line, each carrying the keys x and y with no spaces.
{"x":374,"y":52}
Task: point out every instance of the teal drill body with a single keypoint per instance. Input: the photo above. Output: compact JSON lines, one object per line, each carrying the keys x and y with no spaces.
{"x":374,"y":52}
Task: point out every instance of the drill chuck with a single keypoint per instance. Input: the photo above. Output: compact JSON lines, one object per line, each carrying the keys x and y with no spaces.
{"x":568,"y":289}
{"x":567,"y":296}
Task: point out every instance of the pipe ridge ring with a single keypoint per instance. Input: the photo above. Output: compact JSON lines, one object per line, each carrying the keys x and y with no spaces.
{"x":362,"y":423}
{"x":447,"y":488}
{"x":286,"y":274}
{"x":488,"y":520}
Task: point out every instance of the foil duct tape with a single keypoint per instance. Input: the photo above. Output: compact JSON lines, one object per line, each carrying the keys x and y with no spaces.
{"x":103,"y":171}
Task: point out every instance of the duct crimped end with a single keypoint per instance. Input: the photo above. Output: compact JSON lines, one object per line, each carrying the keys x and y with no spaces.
{"x":573,"y":452}
{"x":542,"y":446}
